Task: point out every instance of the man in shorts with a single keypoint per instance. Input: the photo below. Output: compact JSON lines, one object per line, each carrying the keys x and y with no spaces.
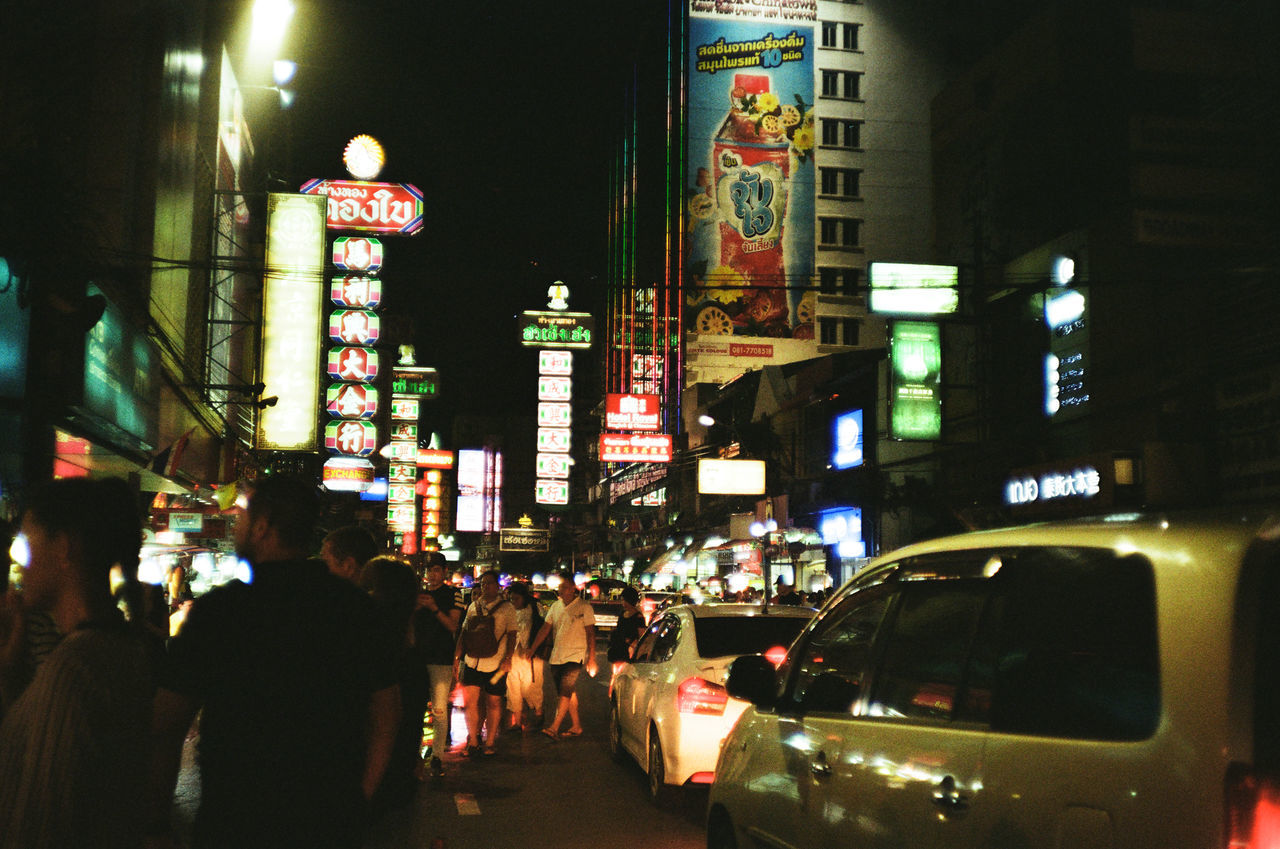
{"x":571,"y":624}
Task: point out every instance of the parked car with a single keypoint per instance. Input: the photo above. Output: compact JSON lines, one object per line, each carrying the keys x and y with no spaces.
{"x":653,"y":601}
{"x":606,"y":613}
{"x":1091,"y":683}
{"x":668,"y":708}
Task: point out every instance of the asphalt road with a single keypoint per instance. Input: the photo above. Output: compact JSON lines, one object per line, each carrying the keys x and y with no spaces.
{"x":536,"y":793}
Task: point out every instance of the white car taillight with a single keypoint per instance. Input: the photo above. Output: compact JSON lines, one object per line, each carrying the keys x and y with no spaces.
{"x":700,"y":696}
{"x":1253,"y":810}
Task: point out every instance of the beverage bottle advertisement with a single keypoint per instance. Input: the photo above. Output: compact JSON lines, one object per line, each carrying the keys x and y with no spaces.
{"x":750,"y":203}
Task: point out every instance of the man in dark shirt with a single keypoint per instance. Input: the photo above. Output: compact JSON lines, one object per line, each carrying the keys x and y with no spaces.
{"x":298,"y":690}
{"x":435,"y":629}
{"x":786,"y":594}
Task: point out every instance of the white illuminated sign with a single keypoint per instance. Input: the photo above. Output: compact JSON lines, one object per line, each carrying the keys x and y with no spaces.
{"x":291,"y":300}
{"x":731,"y":477}
{"x":555,"y":363}
{"x":1080,"y":483}
{"x":909,"y":289}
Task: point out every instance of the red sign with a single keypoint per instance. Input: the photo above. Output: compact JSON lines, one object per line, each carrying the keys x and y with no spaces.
{"x":434,"y":458}
{"x":632,"y":412}
{"x":635,"y":448}
{"x":352,"y":400}
{"x":370,"y":207}
{"x":357,"y":364}
{"x":357,"y":253}
{"x":355,"y":327}
{"x":360,"y":292}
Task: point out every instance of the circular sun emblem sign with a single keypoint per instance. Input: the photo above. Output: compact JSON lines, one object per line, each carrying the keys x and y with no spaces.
{"x":363,"y":157}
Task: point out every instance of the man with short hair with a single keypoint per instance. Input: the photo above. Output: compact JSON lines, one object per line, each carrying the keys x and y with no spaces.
{"x":346,"y":550}
{"x":435,"y":628}
{"x":298,"y":688}
{"x":574,"y":646}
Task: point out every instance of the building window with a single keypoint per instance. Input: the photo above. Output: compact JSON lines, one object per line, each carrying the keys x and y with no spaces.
{"x":850,"y":33}
{"x":839,"y":281}
{"x":839,"y":132}
{"x":839,"y":232}
{"x":829,"y":33}
{"x":840,"y":182}
{"x":840,"y":36}
{"x":850,"y":327}
{"x":845,"y":85}
{"x":827,"y":331}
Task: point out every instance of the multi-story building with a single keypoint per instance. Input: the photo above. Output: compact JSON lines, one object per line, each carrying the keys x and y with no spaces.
{"x":829,"y":103}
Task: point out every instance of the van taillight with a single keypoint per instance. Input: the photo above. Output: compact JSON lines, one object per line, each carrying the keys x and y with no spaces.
{"x":698,"y":695}
{"x":1253,"y":810}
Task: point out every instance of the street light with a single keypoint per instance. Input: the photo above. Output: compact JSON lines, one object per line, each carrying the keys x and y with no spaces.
{"x":759,"y":530}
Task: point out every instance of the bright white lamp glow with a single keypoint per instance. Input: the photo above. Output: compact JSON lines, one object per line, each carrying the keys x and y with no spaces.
{"x":270,"y":18}
{"x":282,"y":71}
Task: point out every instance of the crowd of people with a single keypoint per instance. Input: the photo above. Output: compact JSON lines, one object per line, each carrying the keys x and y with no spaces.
{"x":308,"y":680}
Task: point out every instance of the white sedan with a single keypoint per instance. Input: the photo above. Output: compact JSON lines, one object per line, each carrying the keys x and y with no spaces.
{"x":668,"y":708}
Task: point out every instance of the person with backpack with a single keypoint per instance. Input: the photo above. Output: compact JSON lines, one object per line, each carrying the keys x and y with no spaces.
{"x":484,"y":658}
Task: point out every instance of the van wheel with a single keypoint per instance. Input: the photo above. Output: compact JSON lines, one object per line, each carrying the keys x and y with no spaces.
{"x":659,"y":792}
{"x":720,"y":830}
{"x":615,"y":733}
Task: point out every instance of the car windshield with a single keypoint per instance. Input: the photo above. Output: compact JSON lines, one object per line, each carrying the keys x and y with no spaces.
{"x":720,"y":636}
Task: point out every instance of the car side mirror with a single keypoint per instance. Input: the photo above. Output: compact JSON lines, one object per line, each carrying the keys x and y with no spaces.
{"x":753,"y":678}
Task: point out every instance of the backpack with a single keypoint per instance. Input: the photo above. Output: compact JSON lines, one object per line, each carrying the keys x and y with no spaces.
{"x":535,"y":625}
{"x":479,"y":638}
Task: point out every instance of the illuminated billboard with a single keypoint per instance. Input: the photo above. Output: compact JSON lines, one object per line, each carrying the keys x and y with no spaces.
{"x":915,"y":406}
{"x":900,"y":288}
{"x":291,"y":300}
{"x":556,"y":329}
{"x":635,"y":448}
{"x":632,"y":412}
{"x":846,"y":440}
{"x":731,"y":477}
{"x":369,"y":207}
{"x":750,"y":195}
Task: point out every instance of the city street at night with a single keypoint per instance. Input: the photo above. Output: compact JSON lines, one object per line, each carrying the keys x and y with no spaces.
{"x":536,"y":793}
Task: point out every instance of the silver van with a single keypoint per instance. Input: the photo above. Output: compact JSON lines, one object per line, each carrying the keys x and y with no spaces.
{"x":1105,"y":683}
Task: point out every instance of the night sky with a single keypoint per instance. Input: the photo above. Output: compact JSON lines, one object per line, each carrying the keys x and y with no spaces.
{"x":496,"y":111}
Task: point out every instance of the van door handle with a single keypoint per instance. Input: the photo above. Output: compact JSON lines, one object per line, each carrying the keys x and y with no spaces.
{"x":819,"y":766}
{"x":950,"y":799}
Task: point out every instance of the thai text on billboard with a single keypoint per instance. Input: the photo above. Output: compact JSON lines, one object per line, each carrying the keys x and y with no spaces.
{"x":750,"y":196}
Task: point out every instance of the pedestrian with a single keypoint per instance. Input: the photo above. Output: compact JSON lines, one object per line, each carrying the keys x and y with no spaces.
{"x":73,"y":743}
{"x":392,"y":583}
{"x":295,"y":680}
{"x":628,"y":630}
{"x":487,"y":641}
{"x":571,"y":626}
{"x":435,"y":630}
{"x":346,"y":551}
{"x":786,"y":594}
{"x":528,"y":671}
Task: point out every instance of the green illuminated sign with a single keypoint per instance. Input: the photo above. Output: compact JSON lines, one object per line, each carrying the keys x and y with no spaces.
{"x":915,"y":354}
{"x":556,"y":329}
{"x":424,"y":383}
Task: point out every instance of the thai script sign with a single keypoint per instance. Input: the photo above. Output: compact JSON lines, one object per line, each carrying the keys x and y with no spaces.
{"x":370,"y":207}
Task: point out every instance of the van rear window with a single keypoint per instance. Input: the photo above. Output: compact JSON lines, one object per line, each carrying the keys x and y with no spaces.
{"x":1069,"y":646}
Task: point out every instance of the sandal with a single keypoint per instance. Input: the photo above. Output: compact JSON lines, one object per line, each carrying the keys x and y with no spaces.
{"x":553,"y":735}
{"x":489,"y":751}
{"x":571,"y":733}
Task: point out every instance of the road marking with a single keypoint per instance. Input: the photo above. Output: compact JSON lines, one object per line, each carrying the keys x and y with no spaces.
{"x":466,"y":804}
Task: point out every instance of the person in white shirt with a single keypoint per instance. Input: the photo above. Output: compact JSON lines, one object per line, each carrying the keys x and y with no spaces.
{"x":573,"y":623}
{"x":485,"y":669}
